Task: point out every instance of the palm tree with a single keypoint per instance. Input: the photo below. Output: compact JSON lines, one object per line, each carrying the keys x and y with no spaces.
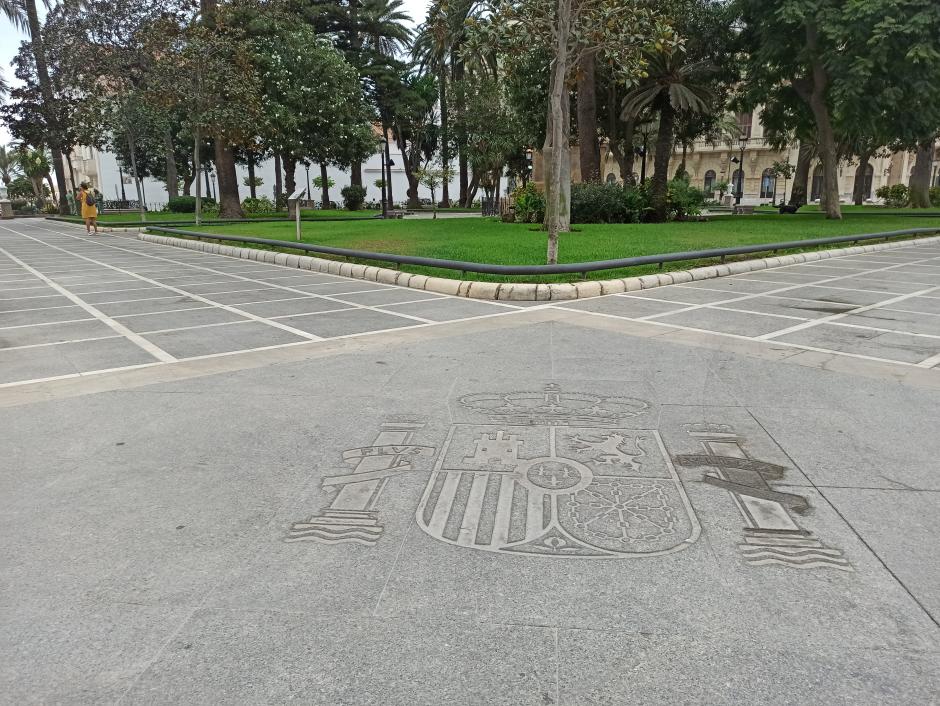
{"x":25,"y":15}
{"x":384,"y":28}
{"x":673,"y":86}
{"x":9,"y":166}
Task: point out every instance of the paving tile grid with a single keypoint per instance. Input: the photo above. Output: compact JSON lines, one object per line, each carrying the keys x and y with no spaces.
{"x":882,"y":306}
{"x":72,"y":305}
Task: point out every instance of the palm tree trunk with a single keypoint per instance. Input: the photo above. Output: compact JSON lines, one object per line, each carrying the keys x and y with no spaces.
{"x":68,"y":159}
{"x":132,"y":149}
{"x":588,"y":147}
{"x":229,"y":201}
{"x":324,"y":186}
{"x":290,"y":173}
{"x":252,"y":189}
{"x":445,"y":138}
{"x":920,"y":176}
{"x":659,"y":198}
{"x":804,"y":161}
{"x":172,"y":176}
{"x":861,"y":173}
{"x":48,"y":99}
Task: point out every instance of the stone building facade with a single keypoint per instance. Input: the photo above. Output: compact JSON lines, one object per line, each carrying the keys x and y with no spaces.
{"x":709,"y":164}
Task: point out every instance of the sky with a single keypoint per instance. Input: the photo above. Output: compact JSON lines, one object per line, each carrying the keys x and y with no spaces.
{"x":10,"y":39}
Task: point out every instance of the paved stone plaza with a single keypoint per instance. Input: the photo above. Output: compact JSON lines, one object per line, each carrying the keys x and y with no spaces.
{"x":230,"y":482}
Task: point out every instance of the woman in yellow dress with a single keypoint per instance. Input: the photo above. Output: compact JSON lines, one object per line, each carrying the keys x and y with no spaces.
{"x":89,"y":210}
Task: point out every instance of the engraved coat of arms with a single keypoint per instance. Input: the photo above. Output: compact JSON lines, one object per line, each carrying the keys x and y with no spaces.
{"x":557,"y":490}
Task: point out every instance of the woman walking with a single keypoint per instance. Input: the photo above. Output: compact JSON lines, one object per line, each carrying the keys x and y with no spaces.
{"x":86,"y":197}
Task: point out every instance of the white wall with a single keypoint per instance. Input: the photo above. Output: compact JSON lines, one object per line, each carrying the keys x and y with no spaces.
{"x":155,"y":191}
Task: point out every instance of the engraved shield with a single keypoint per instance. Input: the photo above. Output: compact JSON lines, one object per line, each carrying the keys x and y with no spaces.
{"x":561,"y":491}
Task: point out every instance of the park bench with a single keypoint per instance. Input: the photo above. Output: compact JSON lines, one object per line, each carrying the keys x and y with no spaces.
{"x":743,"y":210}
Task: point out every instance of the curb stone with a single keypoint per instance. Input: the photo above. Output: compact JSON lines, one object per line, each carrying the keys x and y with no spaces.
{"x":519,"y":291}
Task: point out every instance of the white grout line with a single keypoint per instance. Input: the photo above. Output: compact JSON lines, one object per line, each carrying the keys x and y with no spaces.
{"x":140,"y":341}
{"x":67,"y":376}
{"x":231,"y":309}
{"x":57,"y":343}
{"x":46,"y":323}
{"x":247,"y":279}
{"x":771,"y":292}
{"x":798,"y":346}
{"x":884,"y":330}
{"x":836,"y":317}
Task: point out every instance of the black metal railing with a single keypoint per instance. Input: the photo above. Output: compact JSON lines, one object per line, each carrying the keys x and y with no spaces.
{"x":570,"y":268}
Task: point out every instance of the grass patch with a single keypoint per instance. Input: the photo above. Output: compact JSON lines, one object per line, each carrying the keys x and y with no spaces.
{"x":864,"y":209}
{"x":167,"y":217}
{"x":488,"y":240}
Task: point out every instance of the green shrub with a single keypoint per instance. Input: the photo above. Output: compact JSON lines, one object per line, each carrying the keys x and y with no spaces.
{"x":254,"y":206}
{"x":935,"y":196}
{"x":684,"y":199}
{"x":594,"y":202}
{"x":353,"y":197}
{"x":897,"y":196}
{"x":530,"y":204}
{"x":187,"y":204}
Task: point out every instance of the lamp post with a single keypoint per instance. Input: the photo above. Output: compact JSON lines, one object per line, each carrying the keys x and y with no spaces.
{"x":386,"y":187}
{"x":307,"y":167}
{"x":528,"y":166}
{"x":742,"y":141}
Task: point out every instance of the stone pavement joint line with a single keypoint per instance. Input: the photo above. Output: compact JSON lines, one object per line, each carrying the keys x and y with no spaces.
{"x":198,"y":304}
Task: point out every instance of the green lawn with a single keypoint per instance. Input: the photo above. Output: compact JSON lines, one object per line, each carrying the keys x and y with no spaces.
{"x":865,"y":209}
{"x":488,"y":240}
{"x":163,"y":217}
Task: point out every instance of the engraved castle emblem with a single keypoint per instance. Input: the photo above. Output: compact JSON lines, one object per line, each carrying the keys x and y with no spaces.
{"x":771,"y":533}
{"x":557,"y":490}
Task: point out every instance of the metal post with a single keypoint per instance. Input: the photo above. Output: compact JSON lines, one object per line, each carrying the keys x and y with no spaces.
{"x":384,"y":202}
{"x":297,"y":214}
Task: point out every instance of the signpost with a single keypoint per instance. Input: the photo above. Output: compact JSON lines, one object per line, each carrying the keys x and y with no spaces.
{"x":293,"y":203}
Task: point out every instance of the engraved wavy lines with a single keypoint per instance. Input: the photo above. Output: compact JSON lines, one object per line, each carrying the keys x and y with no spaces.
{"x":335,"y":535}
{"x":794,"y":557}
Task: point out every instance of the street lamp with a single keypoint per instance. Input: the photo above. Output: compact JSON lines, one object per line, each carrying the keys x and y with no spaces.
{"x":742,"y":141}
{"x":528,"y":166}
{"x":386,"y":187}
{"x":307,"y":167}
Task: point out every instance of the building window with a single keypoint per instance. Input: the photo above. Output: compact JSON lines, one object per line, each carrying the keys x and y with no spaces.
{"x":737,"y":180}
{"x":867,"y":180}
{"x":744,"y":124}
{"x":816,"y":191}
{"x":768,"y":184}
{"x":710,"y":181}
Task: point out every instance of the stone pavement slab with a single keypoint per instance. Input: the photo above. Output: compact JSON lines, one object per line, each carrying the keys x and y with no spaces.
{"x":464,"y":502}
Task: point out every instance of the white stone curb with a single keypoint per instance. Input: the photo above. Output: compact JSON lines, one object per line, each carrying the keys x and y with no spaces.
{"x":516,"y":291}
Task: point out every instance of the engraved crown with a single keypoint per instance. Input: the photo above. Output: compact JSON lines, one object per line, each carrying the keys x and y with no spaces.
{"x":552,"y":406}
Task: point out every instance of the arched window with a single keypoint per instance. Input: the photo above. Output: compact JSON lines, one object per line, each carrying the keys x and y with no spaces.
{"x":867,"y":179}
{"x":710,"y":177}
{"x":611,"y":178}
{"x":768,"y":184}
{"x":816,"y":190}
{"x":737,"y":181}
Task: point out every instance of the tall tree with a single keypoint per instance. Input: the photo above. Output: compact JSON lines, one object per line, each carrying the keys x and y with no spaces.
{"x":849,"y":63}
{"x":614,"y":30}
{"x":17,"y":11}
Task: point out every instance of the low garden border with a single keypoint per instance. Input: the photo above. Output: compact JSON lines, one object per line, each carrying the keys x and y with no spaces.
{"x":517,"y":291}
